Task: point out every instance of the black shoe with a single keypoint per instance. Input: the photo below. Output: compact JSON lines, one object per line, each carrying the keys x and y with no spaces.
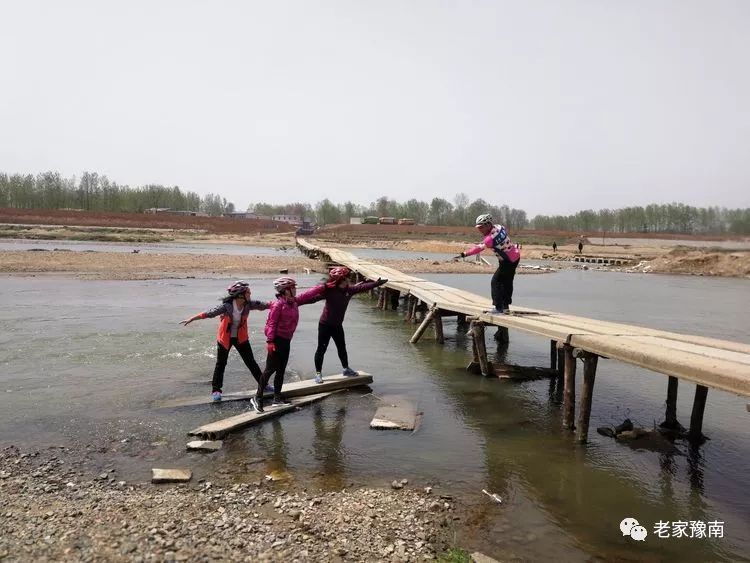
{"x":256,"y":404}
{"x":279,"y":400}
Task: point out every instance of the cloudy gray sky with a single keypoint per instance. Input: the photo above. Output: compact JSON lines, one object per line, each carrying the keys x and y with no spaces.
{"x":550,"y":106}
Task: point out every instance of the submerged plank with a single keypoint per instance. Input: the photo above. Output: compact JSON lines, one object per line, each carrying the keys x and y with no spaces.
{"x":171,"y":475}
{"x":222,"y":427}
{"x":204,"y":445}
{"x":292,"y":389}
{"x":396,"y":413}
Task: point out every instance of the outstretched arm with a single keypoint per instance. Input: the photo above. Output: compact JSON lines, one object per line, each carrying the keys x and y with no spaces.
{"x":366,"y":286}
{"x":311,"y":295}
{"x":215,"y":312}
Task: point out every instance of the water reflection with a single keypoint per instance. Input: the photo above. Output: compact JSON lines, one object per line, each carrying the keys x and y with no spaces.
{"x":327,"y":449}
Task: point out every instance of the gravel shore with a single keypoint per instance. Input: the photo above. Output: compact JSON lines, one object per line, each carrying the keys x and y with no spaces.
{"x":53,"y":511}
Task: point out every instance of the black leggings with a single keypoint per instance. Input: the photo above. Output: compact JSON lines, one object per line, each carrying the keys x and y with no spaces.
{"x":502,"y":284}
{"x":222,"y":354}
{"x":275,"y":363}
{"x":325,"y":333}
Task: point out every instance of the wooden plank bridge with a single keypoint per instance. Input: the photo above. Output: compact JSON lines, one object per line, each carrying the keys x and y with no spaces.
{"x":707,"y":362}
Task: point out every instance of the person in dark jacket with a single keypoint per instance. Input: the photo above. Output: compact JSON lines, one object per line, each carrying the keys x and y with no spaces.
{"x":234,"y":310}
{"x":337,"y":291}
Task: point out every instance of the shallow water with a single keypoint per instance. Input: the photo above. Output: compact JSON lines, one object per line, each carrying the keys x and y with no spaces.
{"x":82,"y":361}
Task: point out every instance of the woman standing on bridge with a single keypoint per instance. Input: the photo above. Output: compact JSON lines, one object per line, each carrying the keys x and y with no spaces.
{"x":234,"y":310}
{"x":337,"y":291}
{"x":496,"y":237}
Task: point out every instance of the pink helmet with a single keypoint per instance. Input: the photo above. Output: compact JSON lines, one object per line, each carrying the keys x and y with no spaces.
{"x":238,"y":288}
{"x":280,"y":284}
{"x":338,"y":273}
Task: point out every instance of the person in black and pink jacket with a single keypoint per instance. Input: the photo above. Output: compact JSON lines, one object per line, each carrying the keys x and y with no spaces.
{"x":283,"y":317}
{"x":509,"y":255}
{"x":234,"y":310}
{"x":337,"y":292}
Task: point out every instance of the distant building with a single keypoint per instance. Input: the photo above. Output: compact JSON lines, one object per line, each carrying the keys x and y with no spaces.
{"x":291,"y":219}
{"x":355,"y":220}
{"x":170,"y":211}
{"x":246,"y":215}
{"x":387,"y":221}
{"x":406,"y":221}
{"x":370,"y":220}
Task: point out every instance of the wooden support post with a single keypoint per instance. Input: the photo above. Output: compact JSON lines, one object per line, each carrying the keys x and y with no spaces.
{"x":422,"y":327}
{"x":438,"y":322}
{"x":409,"y":301}
{"x":670,"y":417}
{"x":696,"y":418}
{"x":569,"y":390}
{"x":381,"y":297}
{"x":501,"y":335}
{"x":560,"y":360}
{"x":587,"y":394}
{"x":473,"y":367}
{"x":478,"y":333}
{"x":461,"y":319}
{"x":395,"y":295}
{"x":553,"y":355}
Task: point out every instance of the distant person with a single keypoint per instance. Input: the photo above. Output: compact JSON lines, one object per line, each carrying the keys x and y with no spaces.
{"x":281,"y":323}
{"x":554,"y":247}
{"x":232,"y":331}
{"x":496,"y":237}
{"x":580,"y":246}
{"x":337,"y":292}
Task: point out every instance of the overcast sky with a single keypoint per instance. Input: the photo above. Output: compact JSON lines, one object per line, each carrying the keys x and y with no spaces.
{"x":550,"y":106}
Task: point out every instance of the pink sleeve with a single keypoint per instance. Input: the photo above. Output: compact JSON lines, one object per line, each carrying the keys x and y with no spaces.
{"x":311,"y":295}
{"x":477,"y":248}
{"x":273,"y":320}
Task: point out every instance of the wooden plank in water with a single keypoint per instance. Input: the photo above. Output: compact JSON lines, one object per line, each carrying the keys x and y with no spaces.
{"x":395,"y":413}
{"x":171,"y":475}
{"x":289,"y":390}
{"x":214,"y":430}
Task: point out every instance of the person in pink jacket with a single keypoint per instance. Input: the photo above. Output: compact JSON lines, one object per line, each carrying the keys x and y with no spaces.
{"x":496,"y":237}
{"x":283,"y":317}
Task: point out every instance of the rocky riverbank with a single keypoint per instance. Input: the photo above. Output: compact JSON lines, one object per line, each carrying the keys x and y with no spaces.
{"x":54,"y":510}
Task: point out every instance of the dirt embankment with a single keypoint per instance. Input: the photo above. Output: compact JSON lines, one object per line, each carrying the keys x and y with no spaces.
{"x":218,"y":225}
{"x":709,"y":262}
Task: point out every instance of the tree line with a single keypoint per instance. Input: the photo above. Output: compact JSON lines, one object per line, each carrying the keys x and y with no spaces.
{"x":95,"y":192}
{"x":654,"y":218}
{"x":439,"y":211}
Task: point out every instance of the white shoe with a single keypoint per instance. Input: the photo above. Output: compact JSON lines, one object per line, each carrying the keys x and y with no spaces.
{"x":318,"y":378}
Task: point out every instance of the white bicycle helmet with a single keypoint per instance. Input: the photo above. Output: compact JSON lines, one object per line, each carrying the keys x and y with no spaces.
{"x":484,"y":219}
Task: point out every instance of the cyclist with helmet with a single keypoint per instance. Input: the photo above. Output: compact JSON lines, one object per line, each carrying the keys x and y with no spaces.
{"x":496,"y":237}
{"x":283,"y":317}
{"x":337,"y":291}
{"x":234,"y":310}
